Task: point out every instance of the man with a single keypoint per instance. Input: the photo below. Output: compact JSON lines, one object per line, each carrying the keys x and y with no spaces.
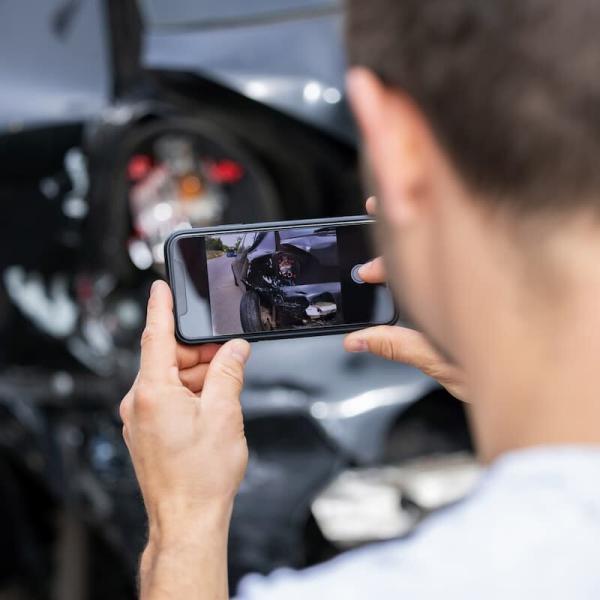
{"x":481,"y":124}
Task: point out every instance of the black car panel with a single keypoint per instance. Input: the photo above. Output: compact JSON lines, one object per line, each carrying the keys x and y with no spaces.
{"x":295,"y":274}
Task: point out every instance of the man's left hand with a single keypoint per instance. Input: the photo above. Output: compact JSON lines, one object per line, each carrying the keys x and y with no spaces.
{"x":183,"y":425}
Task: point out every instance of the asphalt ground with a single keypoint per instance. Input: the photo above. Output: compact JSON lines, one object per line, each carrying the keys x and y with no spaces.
{"x":225,"y":296}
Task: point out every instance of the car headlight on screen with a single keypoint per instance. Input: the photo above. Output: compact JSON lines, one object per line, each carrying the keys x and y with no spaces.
{"x":286,"y":266}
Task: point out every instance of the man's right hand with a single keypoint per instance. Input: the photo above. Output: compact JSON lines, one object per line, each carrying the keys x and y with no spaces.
{"x":401,"y":343}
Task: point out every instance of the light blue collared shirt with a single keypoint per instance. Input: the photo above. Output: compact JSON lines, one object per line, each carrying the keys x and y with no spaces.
{"x":530,"y":530}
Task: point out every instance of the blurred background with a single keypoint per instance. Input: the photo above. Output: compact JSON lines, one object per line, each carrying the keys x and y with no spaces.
{"x":121,"y":120}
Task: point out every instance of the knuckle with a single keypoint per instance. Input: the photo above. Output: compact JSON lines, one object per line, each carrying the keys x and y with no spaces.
{"x":185,"y":378}
{"x":184,"y":355}
{"x":145,"y":397}
{"x":441,"y":373}
{"x":384,"y":344}
{"x":148,"y":335}
{"x":190,"y":380}
{"x":231,"y":371}
{"x":432,"y":371}
{"x":124,"y":408}
{"x":388,"y":347}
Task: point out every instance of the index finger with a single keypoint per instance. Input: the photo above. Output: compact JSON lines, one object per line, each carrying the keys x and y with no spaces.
{"x":158,"y":339}
{"x":371,"y":205}
{"x":373,"y":271}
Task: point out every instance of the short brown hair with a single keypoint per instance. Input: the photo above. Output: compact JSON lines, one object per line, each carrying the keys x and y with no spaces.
{"x":510,"y":87}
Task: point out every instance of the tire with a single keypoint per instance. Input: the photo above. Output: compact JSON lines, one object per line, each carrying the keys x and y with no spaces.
{"x":234,"y":277}
{"x":250,"y":312}
{"x":109,"y":223}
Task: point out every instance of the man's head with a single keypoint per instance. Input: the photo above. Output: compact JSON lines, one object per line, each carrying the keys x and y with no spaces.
{"x":481,"y":120}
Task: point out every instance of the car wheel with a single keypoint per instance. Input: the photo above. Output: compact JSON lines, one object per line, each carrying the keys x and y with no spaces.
{"x":234,"y":187}
{"x":251,"y":313}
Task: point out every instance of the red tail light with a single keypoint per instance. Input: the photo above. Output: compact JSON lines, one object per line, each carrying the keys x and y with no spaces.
{"x":225,"y":171}
{"x":139,"y":166}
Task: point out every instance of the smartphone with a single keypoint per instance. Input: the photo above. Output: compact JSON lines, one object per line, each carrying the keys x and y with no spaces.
{"x":274,"y":280}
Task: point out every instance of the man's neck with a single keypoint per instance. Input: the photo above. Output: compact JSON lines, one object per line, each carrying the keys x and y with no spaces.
{"x":540,"y":381}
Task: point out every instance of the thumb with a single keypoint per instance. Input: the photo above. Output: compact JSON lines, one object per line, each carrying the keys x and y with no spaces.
{"x":225,"y":374}
{"x":400,"y":344}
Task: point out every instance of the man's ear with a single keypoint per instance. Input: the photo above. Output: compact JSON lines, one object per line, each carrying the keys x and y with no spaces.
{"x":392,"y":131}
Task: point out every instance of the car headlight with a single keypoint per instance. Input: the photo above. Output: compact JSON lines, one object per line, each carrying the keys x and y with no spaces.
{"x":286,"y":266}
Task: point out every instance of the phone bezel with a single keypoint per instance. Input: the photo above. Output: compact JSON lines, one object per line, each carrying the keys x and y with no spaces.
{"x":272,"y":225}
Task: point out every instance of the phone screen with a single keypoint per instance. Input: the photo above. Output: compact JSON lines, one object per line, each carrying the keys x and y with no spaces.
{"x":287,"y":279}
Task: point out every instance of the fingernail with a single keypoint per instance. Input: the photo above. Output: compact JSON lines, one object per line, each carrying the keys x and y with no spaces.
{"x":357,"y":346}
{"x":154,"y":287}
{"x":240,"y":350}
{"x":364,"y":269}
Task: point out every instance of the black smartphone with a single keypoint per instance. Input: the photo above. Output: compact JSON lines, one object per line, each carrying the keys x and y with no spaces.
{"x":274,"y":280}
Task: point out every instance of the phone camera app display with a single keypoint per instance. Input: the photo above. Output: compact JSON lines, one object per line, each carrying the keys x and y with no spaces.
{"x":274,"y":280}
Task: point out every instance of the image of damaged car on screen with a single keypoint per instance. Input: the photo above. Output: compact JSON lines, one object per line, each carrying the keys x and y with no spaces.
{"x":267,"y":280}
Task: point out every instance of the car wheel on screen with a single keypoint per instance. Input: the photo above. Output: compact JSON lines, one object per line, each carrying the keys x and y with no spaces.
{"x":251,"y":313}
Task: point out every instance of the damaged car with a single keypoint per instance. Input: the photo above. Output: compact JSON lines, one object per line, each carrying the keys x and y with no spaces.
{"x":291,"y":279}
